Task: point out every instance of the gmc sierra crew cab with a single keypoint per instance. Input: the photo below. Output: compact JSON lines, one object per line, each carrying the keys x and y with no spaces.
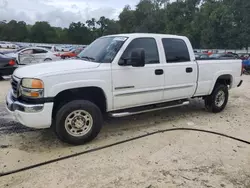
{"x":118,"y":75}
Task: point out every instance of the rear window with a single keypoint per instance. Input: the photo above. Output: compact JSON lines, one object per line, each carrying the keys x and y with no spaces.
{"x":176,"y":50}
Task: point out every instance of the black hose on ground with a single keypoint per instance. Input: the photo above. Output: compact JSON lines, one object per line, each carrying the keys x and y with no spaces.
{"x":117,"y":143}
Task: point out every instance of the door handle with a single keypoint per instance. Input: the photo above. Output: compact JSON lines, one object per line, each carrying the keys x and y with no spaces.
{"x":159,"y":72}
{"x":189,"y":69}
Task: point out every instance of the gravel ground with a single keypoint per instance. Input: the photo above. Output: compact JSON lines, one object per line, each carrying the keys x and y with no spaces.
{"x":170,"y":159}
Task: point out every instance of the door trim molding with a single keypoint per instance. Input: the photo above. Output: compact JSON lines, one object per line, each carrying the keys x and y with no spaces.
{"x":179,"y":87}
{"x":124,"y":87}
{"x":150,"y":90}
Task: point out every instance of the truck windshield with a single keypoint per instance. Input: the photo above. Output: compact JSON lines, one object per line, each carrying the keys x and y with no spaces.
{"x":102,"y":50}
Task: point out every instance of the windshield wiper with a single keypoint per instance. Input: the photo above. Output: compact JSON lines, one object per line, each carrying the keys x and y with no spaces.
{"x":87,"y":57}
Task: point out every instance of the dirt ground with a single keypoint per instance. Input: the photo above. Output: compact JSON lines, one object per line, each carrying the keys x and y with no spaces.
{"x":170,"y":159}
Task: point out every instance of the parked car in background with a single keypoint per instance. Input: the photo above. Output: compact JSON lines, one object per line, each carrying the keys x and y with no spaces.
{"x":34,"y":55}
{"x":12,"y":51}
{"x":71,"y":53}
{"x":64,"y":48}
{"x":243,"y":56}
{"x":7,"y":45}
{"x":234,"y":54}
{"x":51,"y":48}
{"x":201,"y":56}
{"x":222,"y":56}
{"x":7,"y":65}
{"x":246,"y":65}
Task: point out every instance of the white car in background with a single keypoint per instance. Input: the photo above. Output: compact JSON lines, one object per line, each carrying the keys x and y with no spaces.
{"x":33,"y":55}
{"x":7,"y":45}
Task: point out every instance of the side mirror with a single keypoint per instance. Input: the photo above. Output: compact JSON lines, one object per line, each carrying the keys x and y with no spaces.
{"x":138,"y":57}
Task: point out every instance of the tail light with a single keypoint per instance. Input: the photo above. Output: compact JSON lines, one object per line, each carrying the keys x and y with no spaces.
{"x":12,"y":62}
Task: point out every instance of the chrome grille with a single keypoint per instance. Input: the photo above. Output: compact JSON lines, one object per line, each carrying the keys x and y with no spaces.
{"x":14,"y":85}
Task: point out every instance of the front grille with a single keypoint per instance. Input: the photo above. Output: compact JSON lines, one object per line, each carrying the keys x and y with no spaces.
{"x":14,"y":84}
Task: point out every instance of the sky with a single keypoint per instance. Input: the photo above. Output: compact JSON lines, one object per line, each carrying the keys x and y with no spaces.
{"x":61,"y":13}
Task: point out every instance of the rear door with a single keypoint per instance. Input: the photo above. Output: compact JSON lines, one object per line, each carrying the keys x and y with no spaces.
{"x":180,"y":69}
{"x":136,"y":86}
{"x":39,"y":55}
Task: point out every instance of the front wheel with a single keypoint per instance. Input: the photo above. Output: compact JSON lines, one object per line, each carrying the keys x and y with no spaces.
{"x":78,"y":122}
{"x":217,"y":101}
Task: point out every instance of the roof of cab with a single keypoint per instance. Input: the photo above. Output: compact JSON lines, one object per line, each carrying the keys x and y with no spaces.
{"x":146,"y":35}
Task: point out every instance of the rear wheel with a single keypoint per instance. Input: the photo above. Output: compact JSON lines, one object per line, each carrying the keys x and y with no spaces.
{"x":78,"y":122}
{"x":217,"y":101}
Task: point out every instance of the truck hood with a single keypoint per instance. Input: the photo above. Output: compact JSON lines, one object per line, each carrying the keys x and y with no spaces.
{"x":50,"y":68}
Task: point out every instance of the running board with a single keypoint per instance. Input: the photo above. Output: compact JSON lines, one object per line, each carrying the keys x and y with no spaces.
{"x":119,"y":114}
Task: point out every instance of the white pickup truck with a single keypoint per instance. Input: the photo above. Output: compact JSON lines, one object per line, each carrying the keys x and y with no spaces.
{"x":118,"y":75}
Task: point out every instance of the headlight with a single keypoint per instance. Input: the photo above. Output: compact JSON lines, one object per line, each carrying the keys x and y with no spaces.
{"x":32,"y":83}
{"x":32,"y":88}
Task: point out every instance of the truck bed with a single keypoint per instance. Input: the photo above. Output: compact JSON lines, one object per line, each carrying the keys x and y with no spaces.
{"x":210,"y":70}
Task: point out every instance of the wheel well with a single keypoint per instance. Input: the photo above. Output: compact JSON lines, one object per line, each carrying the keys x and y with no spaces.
{"x":93,"y":94}
{"x":225,"y":79}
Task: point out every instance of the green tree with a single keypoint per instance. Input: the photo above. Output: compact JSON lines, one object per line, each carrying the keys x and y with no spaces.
{"x":78,"y":33}
{"x":43,"y":32}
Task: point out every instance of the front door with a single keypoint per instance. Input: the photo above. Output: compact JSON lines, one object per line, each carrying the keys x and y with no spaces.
{"x":25,"y":57}
{"x":136,"y":86}
{"x":39,"y":55}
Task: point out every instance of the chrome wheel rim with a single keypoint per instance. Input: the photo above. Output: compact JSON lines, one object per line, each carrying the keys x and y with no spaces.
{"x":220,"y":98}
{"x":78,"y":123}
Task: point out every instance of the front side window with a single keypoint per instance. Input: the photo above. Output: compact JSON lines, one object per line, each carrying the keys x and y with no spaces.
{"x":29,"y":51}
{"x":150,"y":47}
{"x":103,"y":50}
{"x":176,"y":50}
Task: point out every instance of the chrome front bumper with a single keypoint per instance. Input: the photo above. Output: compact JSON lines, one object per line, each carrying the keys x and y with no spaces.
{"x":36,"y":116}
{"x":16,"y":105}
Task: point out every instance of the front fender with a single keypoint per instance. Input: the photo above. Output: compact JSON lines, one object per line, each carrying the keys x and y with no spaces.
{"x":59,"y":87}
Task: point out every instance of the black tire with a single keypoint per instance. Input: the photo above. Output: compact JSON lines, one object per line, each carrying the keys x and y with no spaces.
{"x":66,"y":110}
{"x":1,"y":78}
{"x":211,"y":100}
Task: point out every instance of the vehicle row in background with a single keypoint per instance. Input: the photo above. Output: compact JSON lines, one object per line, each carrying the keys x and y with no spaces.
{"x":51,"y":47}
{"x":8,"y":45}
{"x":216,"y":56}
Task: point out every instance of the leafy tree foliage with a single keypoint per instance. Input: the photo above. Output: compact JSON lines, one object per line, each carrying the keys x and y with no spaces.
{"x":208,"y":24}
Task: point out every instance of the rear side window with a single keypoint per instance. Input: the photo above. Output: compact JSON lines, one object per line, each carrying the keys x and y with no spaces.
{"x":176,"y":50}
{"x":150,"y":47}
{"x":39,"y":51}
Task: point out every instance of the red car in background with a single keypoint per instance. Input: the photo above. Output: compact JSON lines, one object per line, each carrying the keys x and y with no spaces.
{"x":71,"y":53}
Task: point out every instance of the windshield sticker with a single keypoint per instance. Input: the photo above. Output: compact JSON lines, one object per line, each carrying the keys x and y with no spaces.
{"x":120,"y":38}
